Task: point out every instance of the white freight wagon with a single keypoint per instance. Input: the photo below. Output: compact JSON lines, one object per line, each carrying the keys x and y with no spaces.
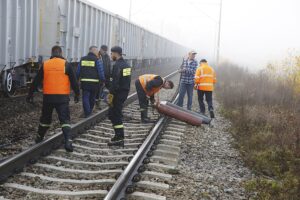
{"x":29,"y":28}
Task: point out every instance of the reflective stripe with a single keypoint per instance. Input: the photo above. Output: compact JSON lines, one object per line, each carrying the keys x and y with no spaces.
{"x":197,"y":76}
{"x":206,"y":75}
{"x":206,"y":84}
{"x":45,"y":125}
{"x":119,"y":126}
{"x":66,"y":125}
{"x":88,"y":63}
{"x":127,"y":72}
{"x":89,"y":80}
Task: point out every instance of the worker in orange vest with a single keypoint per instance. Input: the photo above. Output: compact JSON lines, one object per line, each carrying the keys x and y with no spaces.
{"x":205,"y":79}
{"x":146,"y":86}
{"x":57,"y":77}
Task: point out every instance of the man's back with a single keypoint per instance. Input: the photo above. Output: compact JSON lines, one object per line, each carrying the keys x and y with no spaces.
{"x":56,"y":81}
{"x":121,"y":76}
{"x":205,"y":77}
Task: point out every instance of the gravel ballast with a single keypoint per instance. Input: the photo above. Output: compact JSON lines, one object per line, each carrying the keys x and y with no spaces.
{"x":209,"y":167}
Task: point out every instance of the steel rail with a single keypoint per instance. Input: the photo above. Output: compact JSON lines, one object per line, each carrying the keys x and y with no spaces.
{"x":125,"y":182}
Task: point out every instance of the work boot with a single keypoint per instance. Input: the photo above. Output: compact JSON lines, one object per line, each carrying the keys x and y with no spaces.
{"x":212,"y":114}
{"x":145,"y":118}
{"x":68,"y":145}
{"x":68,"y":139}
{"x":41,"y":134}
{"x":118,"y":139}
{"x":115,"y":138}
{"x":38,"y":138}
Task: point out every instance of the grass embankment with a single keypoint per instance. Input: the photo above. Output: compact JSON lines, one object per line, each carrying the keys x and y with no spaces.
{"x":264,"y":109}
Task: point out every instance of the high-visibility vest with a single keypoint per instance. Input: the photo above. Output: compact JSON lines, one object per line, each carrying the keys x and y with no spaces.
{"x":144,"y":79}
{"x":55,"y":79}
{"x":205,"y":78}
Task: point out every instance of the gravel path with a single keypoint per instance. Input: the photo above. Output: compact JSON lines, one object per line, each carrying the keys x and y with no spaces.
{"x":209,"y":167}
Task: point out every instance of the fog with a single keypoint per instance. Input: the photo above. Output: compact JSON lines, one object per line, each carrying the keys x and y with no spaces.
{"x":253,"y":32}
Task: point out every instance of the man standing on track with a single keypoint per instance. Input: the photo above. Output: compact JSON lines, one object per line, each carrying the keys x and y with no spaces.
{"x":90,"y":72}
{"x":118,"y":93}
{"x":146,"y":86}
{"x":57,"y":76}
{"x":107,"y":71}
{"x":187,"y":71}
{"x":205,"y":78}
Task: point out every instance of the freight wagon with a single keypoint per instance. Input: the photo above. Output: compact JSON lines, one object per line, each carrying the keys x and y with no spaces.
{"x":29,"y":28}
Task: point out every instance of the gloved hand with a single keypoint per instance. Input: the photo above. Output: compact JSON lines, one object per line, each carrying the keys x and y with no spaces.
{"x":110,"y":98}
{"x":29,"y":99}
{"x":76,"y":98}
{"x":196,"y":87}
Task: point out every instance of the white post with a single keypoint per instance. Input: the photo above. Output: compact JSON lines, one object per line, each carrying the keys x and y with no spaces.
{"x":219,"y":34}
{"x":130,"y":9}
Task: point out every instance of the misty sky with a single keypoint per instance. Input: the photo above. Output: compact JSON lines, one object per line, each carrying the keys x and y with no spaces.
{"x":254,"y":32}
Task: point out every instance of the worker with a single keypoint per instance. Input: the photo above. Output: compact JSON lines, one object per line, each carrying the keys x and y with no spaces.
{"x":107,"y":72}
{"x":90,"y":72}
{"x":57,"y":77}
{"x":118,"y":92}
{"x":187,"y":71}
{"x":205,"y":78}
{"x":146,"y":86}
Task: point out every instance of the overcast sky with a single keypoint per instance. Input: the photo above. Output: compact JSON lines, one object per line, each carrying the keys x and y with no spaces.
{"x":253,"y":33}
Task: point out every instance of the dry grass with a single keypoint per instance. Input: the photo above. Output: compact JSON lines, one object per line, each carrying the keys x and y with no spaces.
{"x":265,"y":113}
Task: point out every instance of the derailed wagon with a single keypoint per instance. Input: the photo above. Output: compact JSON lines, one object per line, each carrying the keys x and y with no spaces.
{"x":30,"y":27}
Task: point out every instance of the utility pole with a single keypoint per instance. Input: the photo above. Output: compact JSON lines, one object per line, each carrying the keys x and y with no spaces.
{"x":130,"y":9}
{"x":219,"y":34}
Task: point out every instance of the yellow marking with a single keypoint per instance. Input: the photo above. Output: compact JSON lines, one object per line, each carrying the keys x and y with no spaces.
{"x":127,"y":72}
{"x":88,"y":63}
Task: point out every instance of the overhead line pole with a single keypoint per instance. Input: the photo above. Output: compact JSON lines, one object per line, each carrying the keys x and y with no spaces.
{"x":219,"y":34}
{"x":130,"y":10}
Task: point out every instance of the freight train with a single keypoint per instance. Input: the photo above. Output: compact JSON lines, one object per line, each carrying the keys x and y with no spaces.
{"x":29,"y":28}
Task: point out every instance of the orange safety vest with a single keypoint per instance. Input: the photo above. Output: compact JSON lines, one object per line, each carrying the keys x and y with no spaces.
{"x":205,"y":78}
{"x":144,"y":79}
{"x":55,"y":79}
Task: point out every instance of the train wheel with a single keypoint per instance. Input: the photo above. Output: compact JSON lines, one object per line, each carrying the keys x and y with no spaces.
{"x":10,"y":85}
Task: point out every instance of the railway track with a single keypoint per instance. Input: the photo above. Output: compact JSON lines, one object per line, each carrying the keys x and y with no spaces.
{"x":14,"y":108}
{"x":140,"y":170}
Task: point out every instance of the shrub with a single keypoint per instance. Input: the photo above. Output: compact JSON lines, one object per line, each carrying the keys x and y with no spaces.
{"x":264,"y":110}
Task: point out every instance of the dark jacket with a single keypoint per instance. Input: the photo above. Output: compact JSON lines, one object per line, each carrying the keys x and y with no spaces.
{"x":55,"y":98}
{"x":106,"y":65}
{"x":95,"y":72}
{"x":121,"y":77}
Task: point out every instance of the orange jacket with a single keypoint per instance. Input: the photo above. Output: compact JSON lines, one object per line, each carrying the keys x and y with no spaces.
{"x":144,"y":79}
{"x":55,"y":79}
{"x":205,"y":78}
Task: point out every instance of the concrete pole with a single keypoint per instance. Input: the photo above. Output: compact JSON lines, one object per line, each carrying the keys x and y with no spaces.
{"x":219,"y":34}
{"x":130,"y":10}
